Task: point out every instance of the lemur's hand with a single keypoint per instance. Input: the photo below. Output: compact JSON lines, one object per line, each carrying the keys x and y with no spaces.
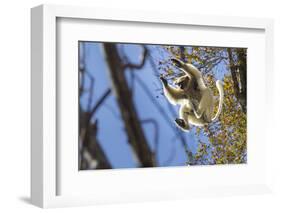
{"x":164,"y":80}
{"x":176,"y":62}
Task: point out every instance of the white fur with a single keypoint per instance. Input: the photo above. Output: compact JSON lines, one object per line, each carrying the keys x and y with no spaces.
{"x":190,"y":114}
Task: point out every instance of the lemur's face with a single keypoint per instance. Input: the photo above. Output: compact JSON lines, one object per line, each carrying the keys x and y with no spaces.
{"x":182,"y":82}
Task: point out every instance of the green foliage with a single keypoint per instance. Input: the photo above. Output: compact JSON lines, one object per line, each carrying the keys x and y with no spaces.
{"x":227,"y":136}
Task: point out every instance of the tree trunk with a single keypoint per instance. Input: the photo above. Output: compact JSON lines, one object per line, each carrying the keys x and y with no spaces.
{"x":239,"y":76}
{"x":242,"y":65}
{"x":123,"y":94}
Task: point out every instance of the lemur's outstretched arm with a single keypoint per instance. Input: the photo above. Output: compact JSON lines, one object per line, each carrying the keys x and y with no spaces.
{"x":191,"y":71}
{"x":174,"y":95}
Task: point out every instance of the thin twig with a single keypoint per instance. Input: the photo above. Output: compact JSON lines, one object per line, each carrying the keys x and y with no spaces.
{"x":141,"y":64}
{"x":156,"y":135}
{"x":99,"y":102}
{"x":90,"y":100}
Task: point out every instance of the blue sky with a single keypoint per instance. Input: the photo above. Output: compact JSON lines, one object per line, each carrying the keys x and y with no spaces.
{"x":111,"y":133}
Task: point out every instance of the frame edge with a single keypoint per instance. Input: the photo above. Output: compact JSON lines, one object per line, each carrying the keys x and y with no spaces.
{"x":37,"y":106}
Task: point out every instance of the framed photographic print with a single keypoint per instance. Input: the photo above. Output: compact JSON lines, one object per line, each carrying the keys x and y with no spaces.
{"x":130,"y":106}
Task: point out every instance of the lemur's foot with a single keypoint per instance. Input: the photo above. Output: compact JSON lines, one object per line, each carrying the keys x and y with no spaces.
{"x":176,"y":62}
{"x":180,"y":122}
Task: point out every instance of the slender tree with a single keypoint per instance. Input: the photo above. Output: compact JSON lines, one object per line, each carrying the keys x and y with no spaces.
{"x":123,"y":95}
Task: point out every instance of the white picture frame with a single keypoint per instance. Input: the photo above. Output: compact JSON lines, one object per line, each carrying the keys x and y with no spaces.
{"x":44,"y":154}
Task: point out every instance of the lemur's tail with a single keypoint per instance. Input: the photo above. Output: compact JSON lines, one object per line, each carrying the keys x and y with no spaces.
{"x":219,"y":85}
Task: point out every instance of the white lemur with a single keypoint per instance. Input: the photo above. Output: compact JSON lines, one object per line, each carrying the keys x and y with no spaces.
{"x":196,"y":100}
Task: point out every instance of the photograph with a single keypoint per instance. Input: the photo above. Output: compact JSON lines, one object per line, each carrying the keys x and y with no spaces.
{"x":160,"y":105}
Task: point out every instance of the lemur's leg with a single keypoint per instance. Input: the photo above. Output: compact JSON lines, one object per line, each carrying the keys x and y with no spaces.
{"x":205,"y":107}
{"x":182,"y":121}
{"x":199,"y":112}
{"x":193,"y":104}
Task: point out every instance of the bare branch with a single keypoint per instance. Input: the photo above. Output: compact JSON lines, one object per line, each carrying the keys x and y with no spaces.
{"x":130,"y":117}
{"x":156,"y":135}
{"x":87,"y":116}
{"x":100,"y":101}
{"x":141,"y":64}
{"x":90,"y":100}
{"x":92,"y":155}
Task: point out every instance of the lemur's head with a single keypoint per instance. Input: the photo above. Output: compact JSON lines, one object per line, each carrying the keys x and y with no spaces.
{"x":182,"y":82}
